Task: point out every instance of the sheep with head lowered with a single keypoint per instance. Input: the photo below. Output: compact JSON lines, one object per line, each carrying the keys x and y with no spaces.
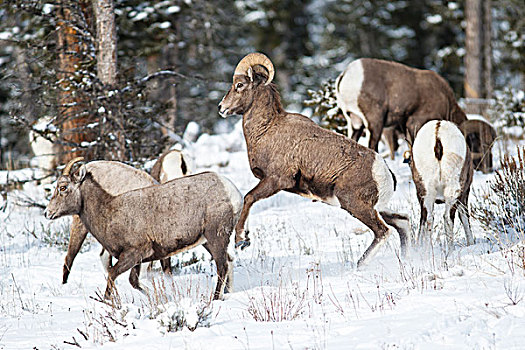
{"x":155,"y":222}
{"x":289,"y":152}
{"x":376,"y":94}
{"x":442,"y":170}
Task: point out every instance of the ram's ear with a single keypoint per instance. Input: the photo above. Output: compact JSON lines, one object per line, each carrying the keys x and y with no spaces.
{"x":249,"y":73}
{"x":79,"y":175}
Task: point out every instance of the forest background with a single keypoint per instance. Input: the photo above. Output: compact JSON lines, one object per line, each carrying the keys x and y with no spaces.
{"x":119,"y":79}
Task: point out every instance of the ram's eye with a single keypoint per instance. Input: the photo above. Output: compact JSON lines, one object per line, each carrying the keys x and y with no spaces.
{"x":239,"y":85}
{"x":62,"y":188}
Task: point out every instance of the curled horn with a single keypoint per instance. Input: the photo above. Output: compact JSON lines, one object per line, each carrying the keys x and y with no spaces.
{"x":253,"y":59}
{"x":69,"y":165}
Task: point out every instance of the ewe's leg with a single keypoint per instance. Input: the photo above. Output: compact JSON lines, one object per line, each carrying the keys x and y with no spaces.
{"x":224,"y":265}
{"x":390,"y":137}
{"x":450,"y":212}
{"x":427,"y":220}
{"x":464,"y":217}
{"x":357,"y":133}
{"x":462,"y":206}
{"x":77,"y":235}
{"x":267,"y":187}
{"x":375,"y":129}
{"x":126,"y":260}
{"x":134,"y":277}
{"x":229,"y":275}
{"x":166,"y":265}
{"x":106,"y":259}
{"x":376,"y":119}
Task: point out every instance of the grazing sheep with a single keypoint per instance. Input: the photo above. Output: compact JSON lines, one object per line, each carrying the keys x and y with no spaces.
{"x":290,"y":152}
{"x":376,"y":94}
{"x":155,"y":222}
{"x":171,"y":164}
{"x":480,"y":136}
{"x":442,"y":171}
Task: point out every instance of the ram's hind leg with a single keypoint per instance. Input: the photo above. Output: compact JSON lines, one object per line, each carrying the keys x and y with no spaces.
{"x":363,"y":212}
{"x":402,"y":224}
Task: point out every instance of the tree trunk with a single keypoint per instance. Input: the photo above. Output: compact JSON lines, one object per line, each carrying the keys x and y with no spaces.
{"x":71,"y":53}
{"x":106,"y":34}
{"x":106,"y":42}
{"x":473,"y":44}
{"x":487,"y":48}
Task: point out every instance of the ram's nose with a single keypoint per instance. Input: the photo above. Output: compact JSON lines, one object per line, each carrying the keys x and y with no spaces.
{"x":48,"y":215}
{"x":223,"y":112}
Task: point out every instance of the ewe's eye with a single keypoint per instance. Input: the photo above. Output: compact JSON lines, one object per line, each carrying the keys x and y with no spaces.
{"x":62,"y":188}
{"x":239,"y":85}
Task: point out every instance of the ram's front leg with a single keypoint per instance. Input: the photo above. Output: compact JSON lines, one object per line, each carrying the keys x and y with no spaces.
{"x":267,"y":187}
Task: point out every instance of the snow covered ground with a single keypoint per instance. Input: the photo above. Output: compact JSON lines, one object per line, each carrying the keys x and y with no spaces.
{"x":296,"y":286}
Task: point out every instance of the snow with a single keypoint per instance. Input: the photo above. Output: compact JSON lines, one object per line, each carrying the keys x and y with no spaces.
{"x":302,"y":258}
{"x":173,"y":9}
{"x":434,"y":19}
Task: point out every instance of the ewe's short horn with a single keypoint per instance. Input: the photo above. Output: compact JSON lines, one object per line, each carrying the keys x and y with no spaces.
{"x":253,"y":59}
{"x":69,"y":165}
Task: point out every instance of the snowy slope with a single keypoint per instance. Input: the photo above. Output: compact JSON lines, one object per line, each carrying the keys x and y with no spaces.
{"x":301,"y":265}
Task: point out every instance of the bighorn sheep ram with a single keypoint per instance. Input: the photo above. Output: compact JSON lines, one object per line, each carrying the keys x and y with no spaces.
{"x":480,"y":136}
{"x":376,"y":94}
{"x":290,"y":152}
{"x":442,"y":171}
{"x":155,"y":222}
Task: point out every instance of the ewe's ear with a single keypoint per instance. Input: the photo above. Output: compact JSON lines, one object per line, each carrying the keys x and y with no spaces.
{"x":80,"y":174}
{"x":249,"y":72}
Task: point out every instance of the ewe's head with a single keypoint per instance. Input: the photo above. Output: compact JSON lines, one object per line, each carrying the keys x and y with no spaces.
{"x":247,"y":78}
{"x":66,"y":198}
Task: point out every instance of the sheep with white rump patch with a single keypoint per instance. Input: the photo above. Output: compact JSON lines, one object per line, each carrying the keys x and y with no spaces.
{"x":289,"y":152}
{"x":155,"y":222}
{"x":376,"y":94}
{"x":442,"y":171}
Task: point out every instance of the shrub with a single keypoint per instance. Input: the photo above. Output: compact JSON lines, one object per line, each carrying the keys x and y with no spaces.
{"x":500,"y":207}
{"x":325,"y":107}
{"x":508,"y":112}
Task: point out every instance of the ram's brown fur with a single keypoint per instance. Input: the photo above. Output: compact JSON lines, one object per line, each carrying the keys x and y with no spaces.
{"x":289,"y":152}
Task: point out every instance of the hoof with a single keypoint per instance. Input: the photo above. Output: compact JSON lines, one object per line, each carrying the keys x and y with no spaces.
{"x":242,"y":244}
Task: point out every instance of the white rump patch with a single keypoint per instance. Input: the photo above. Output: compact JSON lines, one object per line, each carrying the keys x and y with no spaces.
{"x":236,"y":198}
{"x":171,"y":166}
{"x":350,"y":83}
{"x":437,"y":175}
{"x":384,"y":181}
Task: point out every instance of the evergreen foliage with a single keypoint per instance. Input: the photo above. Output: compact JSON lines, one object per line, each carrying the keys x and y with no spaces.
{"x":175,"y":59}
